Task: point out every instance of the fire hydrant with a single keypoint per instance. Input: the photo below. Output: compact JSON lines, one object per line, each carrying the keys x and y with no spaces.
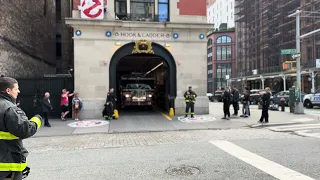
{"x":282,"y":100}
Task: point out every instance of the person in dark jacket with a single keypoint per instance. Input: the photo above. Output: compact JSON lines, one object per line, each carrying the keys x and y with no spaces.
{"x":265,"y":101}
{"x":190,"y":99}
{"x":46,"y":108}
{"x":109,"y":106}
{"x":14,"y":126}
{"x":226,"y":103}
{"x":235,"y":100}
{"x":246,"y":102}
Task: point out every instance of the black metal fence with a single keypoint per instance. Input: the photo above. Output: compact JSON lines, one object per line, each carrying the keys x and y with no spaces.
{"x":32,"y":92}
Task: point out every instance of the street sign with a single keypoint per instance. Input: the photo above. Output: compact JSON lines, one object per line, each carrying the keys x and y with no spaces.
{"x":288,"y":51}
{"x":295,"y":56}
{"x":317,"y":63}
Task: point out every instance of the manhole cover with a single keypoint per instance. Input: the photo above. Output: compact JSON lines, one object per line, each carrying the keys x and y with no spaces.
{"x":183,"y":171}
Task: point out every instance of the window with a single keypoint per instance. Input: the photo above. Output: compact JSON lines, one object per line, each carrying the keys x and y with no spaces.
{"x":224,"y":53}
{"x":209,"y":51}
{"x":317,"y":52}
{"x":310,"y":55}
{"x":224,"y":39}
{"x":142,"y":10}
{"x":163,"y":10}
{"x":209,"y":42}
{"x":58,"y":10}
{"x":121,"y":8}
{"x":58,"y":46}
{"x":45,"y":8}
{"x":210,"y":71}
{"x":222,"y":71}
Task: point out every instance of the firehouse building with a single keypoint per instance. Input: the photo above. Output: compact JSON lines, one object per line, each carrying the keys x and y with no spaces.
{"x":116,"y":36}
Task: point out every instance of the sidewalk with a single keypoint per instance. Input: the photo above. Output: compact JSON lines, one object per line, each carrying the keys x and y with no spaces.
{"x":154,"y":122}
{"x":275,"y":117}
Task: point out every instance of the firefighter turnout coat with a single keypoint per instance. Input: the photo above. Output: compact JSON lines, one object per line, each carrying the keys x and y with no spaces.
{"x":14,"y":127}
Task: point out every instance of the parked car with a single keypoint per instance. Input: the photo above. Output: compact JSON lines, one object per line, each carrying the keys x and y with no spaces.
{"x":276,"y":99}
{"x":218,"y":95}
{"x":313,"y":99}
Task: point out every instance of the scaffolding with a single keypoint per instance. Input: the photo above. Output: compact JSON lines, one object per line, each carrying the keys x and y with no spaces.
{"x":262,"y":30}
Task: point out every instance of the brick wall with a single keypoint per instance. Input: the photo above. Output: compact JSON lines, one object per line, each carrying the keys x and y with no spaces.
{"x":27,"y":37}
{"x":192,"y":7}
{"x":76,"y":3}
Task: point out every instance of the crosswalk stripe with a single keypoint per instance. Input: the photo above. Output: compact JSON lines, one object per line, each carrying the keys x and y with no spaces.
{"x":308,"y":133}
{"x":265,"y":165}
{"x":294,"y":127}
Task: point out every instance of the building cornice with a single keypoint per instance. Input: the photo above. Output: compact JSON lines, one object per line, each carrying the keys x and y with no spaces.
{"x":77,"y":22}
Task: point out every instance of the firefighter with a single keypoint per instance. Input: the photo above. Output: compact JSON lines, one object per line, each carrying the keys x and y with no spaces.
{"x":190,"y":99}
{"x":14,"y":126}
{"x":265,"y":106}
{"x":110,"y":105}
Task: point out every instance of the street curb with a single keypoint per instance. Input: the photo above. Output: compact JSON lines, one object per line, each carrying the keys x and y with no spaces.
{"x":272,"y":124}
{"x":142,"y":131}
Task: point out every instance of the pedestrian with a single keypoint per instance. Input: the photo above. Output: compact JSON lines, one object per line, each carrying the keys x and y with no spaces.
{"x":64,"y":103}
{"x":226,"y":103}
{"x":14,"y":127}
{"x":265,"y":101}
{"x":190,"y":99}
{"x":245,"y":103}
{"x":108,"y":111}
{"x":77,"y":106}
{"x":46,"y":108}
{"x":235,"y":100}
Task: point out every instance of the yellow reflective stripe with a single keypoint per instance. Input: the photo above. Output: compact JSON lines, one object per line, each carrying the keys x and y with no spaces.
{"x":186,"y":100}
{"x":37,"y":121}
{"x":7,"y":136}
{"x":12,"y":166}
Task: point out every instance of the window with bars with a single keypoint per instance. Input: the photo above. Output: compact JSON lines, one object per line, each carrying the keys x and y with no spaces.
{"x":224,"y":53}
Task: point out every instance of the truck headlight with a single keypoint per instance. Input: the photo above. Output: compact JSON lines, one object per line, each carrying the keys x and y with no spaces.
{"x":150,"y":95}
{"x":127,"y":95}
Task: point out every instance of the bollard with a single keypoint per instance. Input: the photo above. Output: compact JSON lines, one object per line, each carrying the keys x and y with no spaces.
{"x":282,"y":100}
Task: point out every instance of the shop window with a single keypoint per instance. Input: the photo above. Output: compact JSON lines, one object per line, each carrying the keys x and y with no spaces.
{"x":163,"y":10}
{"x":121,"y":9}
{"x":142,"y":10}
{"x":223,"y":70}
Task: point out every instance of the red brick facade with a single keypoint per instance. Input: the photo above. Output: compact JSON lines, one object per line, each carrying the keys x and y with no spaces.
{"x":76,"y":3}
{"x":192,"y":7}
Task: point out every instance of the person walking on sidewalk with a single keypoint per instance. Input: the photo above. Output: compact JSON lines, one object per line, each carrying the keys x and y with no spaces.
{"x":226,"y":103}
{"x":46,"y":108}
{"x":235,"y":100}
{"x":14,"y":127}
{"x":265,"y":101}
{"x":76,"y":106}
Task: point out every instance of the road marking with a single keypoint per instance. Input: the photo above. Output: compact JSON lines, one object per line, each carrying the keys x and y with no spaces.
{"x":294,"y":127}
{"x":164,"y":115}
{"x":307,"y":133}
{"x":265,"y":165}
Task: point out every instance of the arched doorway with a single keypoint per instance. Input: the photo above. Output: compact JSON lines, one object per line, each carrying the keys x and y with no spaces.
{"x":150,"y":53}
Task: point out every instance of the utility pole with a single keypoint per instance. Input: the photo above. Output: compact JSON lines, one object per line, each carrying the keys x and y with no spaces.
{"x":299,"y":106}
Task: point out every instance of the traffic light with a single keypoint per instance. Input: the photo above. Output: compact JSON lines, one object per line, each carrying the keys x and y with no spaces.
{"x":289,"y":65}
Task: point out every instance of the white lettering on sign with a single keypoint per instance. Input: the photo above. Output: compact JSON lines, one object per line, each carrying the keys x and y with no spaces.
{"x":91,"y":9}
{"x":144,"y":35}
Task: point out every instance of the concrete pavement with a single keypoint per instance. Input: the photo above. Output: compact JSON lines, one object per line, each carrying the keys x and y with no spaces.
{"x":155,"y":121}
{"x":242,"y":154}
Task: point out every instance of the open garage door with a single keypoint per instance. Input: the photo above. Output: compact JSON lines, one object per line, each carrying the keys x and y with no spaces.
{"x":143,"y":75}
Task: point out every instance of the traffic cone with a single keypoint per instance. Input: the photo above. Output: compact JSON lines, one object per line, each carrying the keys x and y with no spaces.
{"x":116,"y":113}
{"x":171,"y":112}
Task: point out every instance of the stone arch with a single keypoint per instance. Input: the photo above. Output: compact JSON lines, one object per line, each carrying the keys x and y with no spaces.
{"x":159,"y":50}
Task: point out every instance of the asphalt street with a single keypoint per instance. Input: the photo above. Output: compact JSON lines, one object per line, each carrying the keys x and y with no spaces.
{"x":235,"y":154}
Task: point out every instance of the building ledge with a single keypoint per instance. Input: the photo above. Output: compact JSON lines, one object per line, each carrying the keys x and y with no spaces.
{"x":76,"y":22}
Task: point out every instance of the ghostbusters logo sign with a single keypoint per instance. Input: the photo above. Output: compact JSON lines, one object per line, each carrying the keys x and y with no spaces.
{"x":88,"y":123}
{"x":91,"y":9}
{"x":197,"y":119}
